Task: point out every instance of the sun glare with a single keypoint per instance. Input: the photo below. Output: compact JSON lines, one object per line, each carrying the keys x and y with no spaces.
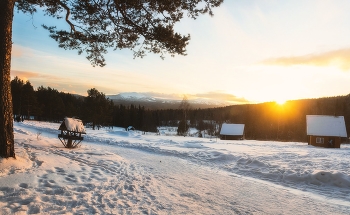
{"x":280,"y":102}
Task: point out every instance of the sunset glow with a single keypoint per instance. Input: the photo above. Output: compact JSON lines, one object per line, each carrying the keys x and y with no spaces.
{"x":249,"y":52}
{"x":281,"y":102}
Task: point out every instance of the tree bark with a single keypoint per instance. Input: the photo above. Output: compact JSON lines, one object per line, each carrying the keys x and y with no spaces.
{"x":6,"y":116}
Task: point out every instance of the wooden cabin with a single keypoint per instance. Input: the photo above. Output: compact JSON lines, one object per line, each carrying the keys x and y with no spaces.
{"x":325,"y":131}
{"x":232,"y":131}
{"x":71,"y":132}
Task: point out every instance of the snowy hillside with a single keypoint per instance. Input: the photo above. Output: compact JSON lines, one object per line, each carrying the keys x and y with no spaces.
{"x":119,"y":172}
{"x":162,"y":102}
{"x":132,"y":96}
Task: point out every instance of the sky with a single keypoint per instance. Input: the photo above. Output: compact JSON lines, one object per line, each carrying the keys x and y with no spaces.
{"x":250,"y":51}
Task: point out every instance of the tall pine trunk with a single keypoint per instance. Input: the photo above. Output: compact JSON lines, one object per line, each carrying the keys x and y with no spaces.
{"x":6,"y":116}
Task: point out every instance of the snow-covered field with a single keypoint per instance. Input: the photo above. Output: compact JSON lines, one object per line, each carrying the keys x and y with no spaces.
{"x":119,"y":172}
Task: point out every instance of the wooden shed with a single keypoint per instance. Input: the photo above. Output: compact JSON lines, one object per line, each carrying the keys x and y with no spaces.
{"x":232,"y":131}
{"x":325,"y":131}
{"x":71,"y":132}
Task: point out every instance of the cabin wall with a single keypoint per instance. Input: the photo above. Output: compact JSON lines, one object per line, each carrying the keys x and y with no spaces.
{"x":324,"y":141}
{"x":231,"y":137}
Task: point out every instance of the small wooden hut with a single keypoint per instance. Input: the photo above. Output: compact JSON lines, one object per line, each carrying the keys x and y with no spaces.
{"x":71,"y":132}
{"x":325,"y":131}
{"x":232,"y":131}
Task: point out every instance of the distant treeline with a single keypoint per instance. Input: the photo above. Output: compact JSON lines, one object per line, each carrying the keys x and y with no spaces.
{"x":287,"y":122}
{"x":265,"y":121}
{"x":47,"y":104}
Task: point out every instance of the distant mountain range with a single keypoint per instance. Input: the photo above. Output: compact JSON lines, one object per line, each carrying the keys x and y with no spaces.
{"x":153,"y":103}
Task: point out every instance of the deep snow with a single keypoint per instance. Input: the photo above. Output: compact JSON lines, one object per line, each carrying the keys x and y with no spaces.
{"x":119,"y":172}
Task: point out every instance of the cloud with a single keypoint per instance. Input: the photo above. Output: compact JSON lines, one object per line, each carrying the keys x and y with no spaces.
{"x":221,"y":96}
{"x":17,"y":51}
{"x":24,"y":75}
{"x":339,"y":58}
{"x":37,"y":79}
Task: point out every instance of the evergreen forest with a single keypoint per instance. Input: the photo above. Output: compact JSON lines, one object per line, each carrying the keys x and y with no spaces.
{"x":263,"y":121}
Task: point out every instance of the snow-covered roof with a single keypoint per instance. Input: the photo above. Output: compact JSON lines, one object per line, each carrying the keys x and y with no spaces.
{"x":232,"y":129}
{"x":326,"y":125}
{"x":75,"y":125}
{"x":130,"y":128}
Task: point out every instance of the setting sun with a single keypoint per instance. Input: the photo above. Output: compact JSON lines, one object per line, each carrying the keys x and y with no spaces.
{"x":280,"y":101}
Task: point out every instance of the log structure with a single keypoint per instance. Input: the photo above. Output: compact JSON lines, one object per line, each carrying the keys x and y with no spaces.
{"x":71,"y":132}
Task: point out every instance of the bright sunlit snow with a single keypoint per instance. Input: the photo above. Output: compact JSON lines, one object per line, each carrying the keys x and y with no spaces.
{"x":75,"y":125}
{"x":127,"y":172}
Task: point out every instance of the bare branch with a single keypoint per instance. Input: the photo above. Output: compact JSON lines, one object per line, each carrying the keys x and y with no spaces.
{"x":72,"y":27}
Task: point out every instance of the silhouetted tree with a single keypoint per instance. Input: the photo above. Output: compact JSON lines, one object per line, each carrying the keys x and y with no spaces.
{"x":50,"y":103}
{"x":16,"y":90}
{"x":183,"y":128}
{"x":73,"y":105}
{"x":184,"y":107}
{"x":29,"y":101}
{"x":97,"y":108}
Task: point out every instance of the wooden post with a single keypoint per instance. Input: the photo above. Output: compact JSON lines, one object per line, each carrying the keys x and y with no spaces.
{"x":69,"y":143}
